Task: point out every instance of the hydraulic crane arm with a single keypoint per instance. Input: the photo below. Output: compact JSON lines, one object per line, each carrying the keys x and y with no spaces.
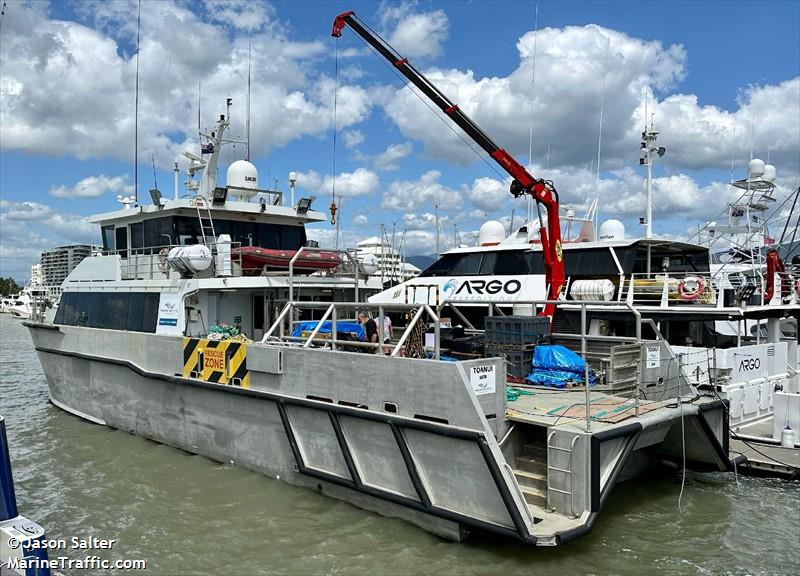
{"x":524,"y":183}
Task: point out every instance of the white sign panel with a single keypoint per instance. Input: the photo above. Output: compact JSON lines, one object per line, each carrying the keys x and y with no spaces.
{"x":483,"y":379}
{"x":169,"y":314}
{"x":653,"y":356}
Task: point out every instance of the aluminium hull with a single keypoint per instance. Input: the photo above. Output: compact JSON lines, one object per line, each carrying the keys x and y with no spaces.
{"x":406,"y":438}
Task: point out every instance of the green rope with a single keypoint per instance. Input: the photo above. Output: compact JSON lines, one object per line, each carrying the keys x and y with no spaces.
{"x":514,"y":393}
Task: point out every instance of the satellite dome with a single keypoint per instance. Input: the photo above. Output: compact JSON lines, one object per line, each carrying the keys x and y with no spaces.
{"x":769,"y":173}
{"x":755,"y":168}
{"x":242,"y":175}
{"x":491,"y":233}
{"x":612,"y":230}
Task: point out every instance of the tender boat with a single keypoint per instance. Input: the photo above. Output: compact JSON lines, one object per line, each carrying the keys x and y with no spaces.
{"x":255,"y":259}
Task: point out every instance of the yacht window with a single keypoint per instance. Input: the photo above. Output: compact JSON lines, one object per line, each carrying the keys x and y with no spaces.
{"x":121,"y":235}
{"x":518,"y":262}
{"x":469,"y":265}
{"x":589,"y":262}
{"x":137,"y":235}
{"x":108,"y":237}
{"x":443,"y":266}
{"x":488,"y":263}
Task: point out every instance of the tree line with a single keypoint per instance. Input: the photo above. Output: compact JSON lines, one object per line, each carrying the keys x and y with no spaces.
{"x":8,"y":286}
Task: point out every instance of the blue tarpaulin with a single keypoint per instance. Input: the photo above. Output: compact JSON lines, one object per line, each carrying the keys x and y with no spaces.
{"x":555,"y":366}
{"x":306,"y":328}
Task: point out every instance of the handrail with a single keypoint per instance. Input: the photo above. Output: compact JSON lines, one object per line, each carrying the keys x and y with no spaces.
{"x":318,"y":326}
{"x":407,"y":332}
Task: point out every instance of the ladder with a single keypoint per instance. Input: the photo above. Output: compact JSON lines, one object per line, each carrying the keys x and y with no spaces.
{"x":206,"y":221}
{"x":568,"y":472}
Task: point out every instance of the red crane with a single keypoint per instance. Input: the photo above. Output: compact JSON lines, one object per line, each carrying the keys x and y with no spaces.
{"x":524,"y":183}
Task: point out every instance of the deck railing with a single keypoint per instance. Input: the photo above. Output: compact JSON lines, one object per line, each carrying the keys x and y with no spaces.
{"x":150,"y":263}
{"x":423,"y":314}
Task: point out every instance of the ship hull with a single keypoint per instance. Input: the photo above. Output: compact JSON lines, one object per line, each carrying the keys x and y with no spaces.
{"x":405,"y":438}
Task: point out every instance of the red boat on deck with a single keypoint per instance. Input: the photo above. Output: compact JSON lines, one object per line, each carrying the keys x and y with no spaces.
{"x":254,"y":259}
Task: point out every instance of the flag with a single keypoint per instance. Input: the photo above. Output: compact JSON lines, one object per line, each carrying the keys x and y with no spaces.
{"x":207,"y":148}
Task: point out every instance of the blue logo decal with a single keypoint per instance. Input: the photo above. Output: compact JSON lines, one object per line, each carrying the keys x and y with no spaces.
{"x":451,"y":285}
{"x":167,"y":321}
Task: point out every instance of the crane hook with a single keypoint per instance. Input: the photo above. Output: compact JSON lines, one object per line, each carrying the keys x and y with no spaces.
{"x":333,"y":213}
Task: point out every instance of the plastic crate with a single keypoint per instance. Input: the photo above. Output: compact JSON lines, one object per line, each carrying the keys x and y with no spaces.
{"x":516,"y":330}
{"x":519,"y":363}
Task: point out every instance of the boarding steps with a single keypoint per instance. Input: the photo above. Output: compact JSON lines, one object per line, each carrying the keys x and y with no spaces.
{"x":531,"y":475}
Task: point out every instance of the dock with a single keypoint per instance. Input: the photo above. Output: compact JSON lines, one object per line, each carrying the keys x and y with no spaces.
{"x":765,"y":456}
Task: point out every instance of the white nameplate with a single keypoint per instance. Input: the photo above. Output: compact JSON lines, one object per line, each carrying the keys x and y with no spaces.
{"x":483,"y":379}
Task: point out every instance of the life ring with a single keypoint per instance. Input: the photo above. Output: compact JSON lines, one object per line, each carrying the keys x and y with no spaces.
{"x":691,"y":288}
{"x":163,"y":265}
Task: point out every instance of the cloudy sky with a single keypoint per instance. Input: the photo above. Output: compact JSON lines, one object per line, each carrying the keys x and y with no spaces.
{"x":721,"y":78}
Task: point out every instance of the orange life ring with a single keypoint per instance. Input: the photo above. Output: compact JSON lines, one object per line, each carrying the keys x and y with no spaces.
{"x":691,"y":288}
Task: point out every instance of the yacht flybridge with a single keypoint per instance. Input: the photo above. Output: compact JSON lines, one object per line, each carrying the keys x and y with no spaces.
{"x":172,"y":340}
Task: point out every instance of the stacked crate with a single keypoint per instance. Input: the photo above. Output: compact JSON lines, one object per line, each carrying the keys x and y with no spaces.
{"x":514,"y":338}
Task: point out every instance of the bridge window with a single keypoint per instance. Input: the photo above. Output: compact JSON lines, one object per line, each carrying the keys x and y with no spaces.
{"x":134,"y":311}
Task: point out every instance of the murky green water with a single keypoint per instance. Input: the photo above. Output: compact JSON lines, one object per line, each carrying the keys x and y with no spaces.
{"x":185,"y":514}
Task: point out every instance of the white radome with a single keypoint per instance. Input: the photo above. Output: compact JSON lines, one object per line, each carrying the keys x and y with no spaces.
{"x":769,"y":173}
{"x":242,"y":174}
{"x":612,"y":230}
{"x":491,"y":233}
{"x":755,"y":168}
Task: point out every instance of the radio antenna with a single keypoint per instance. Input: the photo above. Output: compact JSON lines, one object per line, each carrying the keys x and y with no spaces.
{"x":136,"y":111}
{"x":247,"y":125}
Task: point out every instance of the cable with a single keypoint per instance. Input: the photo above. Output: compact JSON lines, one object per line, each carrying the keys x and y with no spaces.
{"x":683,"y":450}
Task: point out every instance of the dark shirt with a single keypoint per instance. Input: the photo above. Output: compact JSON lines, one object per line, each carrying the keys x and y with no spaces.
{"x":372,"y":329}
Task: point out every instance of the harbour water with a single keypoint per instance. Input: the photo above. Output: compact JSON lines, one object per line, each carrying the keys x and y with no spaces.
{"x":185,"y":514}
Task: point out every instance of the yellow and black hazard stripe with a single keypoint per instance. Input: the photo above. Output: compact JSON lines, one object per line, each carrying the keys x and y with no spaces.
{"x":218,"y":361}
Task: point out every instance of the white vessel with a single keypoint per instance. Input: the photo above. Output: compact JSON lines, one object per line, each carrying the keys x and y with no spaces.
{"x":138,"y":343}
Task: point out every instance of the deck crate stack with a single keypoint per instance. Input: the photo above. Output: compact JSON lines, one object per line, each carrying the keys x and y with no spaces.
{"x":514,"y":338}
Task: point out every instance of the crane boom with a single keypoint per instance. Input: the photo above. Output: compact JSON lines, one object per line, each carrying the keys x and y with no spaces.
{"x":523,"y":182}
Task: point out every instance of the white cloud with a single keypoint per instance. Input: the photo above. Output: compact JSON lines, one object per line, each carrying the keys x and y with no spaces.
{"x":93,"y":187}
{"x":389,"y":158}
{"x":410,"y":195}
{"x":240,"y":14}
{"x":24,"y":210}
{"x":360,"y":219}
{"x":424,"y":221}
{"x":360,"y":182}
{"x":27,"y":228}
{"x":290,"y":99}
{"x":352,"y":138}
{"x":414,"y":34}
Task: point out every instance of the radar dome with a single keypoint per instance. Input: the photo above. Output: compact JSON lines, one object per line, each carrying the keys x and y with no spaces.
{"x":769,"y":173}
{"x":755,"y":168}
{"x":491,"y":233}
{"x":242,"y":174}
{"x":612,"y":230}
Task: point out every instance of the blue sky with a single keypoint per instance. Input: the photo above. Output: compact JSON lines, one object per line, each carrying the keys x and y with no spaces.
{"x":723,"y":78}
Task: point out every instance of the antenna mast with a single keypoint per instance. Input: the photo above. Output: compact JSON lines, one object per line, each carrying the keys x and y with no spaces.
{"x":248,"y":100}
{"x":136,"y":111}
